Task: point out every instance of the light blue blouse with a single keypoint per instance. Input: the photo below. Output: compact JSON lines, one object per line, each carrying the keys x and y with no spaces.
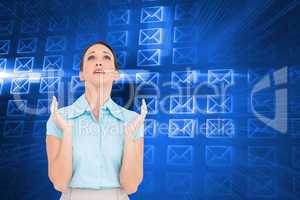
{"x":97,"y":145}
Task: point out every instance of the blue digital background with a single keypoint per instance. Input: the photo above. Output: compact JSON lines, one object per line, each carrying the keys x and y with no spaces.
{"x":198,"y":144}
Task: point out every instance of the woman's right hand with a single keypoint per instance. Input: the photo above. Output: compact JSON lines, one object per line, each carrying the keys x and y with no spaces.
{"x":57,"y":118}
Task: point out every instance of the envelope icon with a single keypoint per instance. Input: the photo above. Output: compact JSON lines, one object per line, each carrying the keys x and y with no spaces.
{"x":261,"y":186}
{"x":219,"y":104}
{"x":179,"y":183}
{"x":256,"y":129}
{"x":181,"y":104}
{"x":6,"y":27}
{"x":3,"y":62}
{"x":76,"y":84}
{"x":13,"y":128}
{"x":58,"y":23}
{"x":30,"y":25}
{"x":220,"y":76}
{"x":180,"y":154}
{"x":24,"y":64}
{"x":119,"y":17}
{"x":148,"y":57}
{"x":20,"y":86}
{"x":151,"y":102}
{"x":16,"y":107}
{"x":147,"y":80}
{"x":118,"y":38}
{"x":53,"y":63}
{"x":43,"y":107}
{"x":183,"y":79}
{"x":220,"y":184}
{"x":49,"y":84}
{"x":219,"y":128}
{"x":184,"y":55}
{"x":261,"y":156}
{"x":27,"y":45}
{"x":185,"y":11}
{"x":150,"y":36}
{"x":150,"y":128}
{"x":39,"y":128}
{"x":152,"y":14}
{"x":181,"y":128}
{"x":56,"y":43}
{"x":4,"y":47}
{"x":184,"y":34}
{"x":121,"y":58}
{"x":218,"y":155}
{"x":296,"y":157}
{"x":76,"y":62}
{"x":149,"y":154}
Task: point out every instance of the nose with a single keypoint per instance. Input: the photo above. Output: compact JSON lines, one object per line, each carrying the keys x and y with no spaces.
{"x":98,"y":64}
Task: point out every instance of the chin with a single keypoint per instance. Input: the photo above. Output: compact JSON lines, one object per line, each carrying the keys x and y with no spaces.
{"x":102,"y":82}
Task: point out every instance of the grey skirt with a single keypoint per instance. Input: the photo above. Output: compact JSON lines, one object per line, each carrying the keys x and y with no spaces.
{"x":94,"y":194}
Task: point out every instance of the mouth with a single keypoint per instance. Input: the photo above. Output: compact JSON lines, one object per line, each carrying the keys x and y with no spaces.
{"x":99,"y":71}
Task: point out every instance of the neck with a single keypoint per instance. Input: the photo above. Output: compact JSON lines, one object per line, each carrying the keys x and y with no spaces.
{"x":97,"y":96}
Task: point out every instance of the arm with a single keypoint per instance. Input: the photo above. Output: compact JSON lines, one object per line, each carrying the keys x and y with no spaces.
{"x":131,"y":173}
{"x":59,"y":153}
{"x":59,"y":149}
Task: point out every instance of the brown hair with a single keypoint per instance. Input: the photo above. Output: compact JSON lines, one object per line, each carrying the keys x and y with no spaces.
{"x":103,"y":43}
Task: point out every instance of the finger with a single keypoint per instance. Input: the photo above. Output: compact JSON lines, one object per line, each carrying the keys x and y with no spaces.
{"x":55,"y":105}
{"x":144,"y":109}
{"x":52,"y":105}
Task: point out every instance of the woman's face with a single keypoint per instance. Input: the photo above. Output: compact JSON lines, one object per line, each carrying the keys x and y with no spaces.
{"x":98,"y":66}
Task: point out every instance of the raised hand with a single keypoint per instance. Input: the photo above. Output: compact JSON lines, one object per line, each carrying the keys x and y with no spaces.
{"x":57,"y":118}
{"x":135,"y":124}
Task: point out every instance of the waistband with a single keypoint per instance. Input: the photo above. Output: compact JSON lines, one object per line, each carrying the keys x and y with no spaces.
{"x":73,"y":193}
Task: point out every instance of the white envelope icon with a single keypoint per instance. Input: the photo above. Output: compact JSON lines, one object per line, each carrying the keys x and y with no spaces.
{"x":53,"y":63}
{"x":181,"y":128}
{"x":220,"y":76}
{"x":149,"y":57}
{"x":24,"y":64}
{"x":180,"y":154}
{"x":76,"y":84}
{"x":147,"y":79}
{"x":152,"y":14}
{"x":49,"y":84}
{"x":20,"y":86}
{"x":181,"y":104}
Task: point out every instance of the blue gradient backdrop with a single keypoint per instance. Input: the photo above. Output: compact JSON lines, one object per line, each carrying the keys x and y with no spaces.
{"x":199,"y":145}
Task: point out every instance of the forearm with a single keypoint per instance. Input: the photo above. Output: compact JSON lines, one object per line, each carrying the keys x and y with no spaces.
{"x":62,"y":164}
{"x":131,"y":169}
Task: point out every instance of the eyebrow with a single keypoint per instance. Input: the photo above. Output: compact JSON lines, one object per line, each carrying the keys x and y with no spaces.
{"x":102,"y":51}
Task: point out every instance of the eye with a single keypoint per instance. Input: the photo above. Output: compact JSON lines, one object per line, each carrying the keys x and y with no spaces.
{"x":91,"y":57}
{"x":107,"y":57}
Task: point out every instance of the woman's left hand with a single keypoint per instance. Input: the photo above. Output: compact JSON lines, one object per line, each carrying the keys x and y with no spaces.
{"x":135,"y":124}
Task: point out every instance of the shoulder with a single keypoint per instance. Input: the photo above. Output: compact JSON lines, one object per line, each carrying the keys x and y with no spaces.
{"x":69,"y":111}
{"x":128,"y":114}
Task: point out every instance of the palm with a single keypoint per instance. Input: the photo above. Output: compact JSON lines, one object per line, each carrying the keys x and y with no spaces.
{"x":138,"y":121}
{"x":57,"y":118}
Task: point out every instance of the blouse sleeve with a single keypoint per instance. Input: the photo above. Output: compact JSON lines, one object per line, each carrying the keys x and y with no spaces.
{"x":139,"y":133}
{"x":52,"y":129}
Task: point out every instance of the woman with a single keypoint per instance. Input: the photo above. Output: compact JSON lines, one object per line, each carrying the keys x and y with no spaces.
{"x":94,"y":146}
